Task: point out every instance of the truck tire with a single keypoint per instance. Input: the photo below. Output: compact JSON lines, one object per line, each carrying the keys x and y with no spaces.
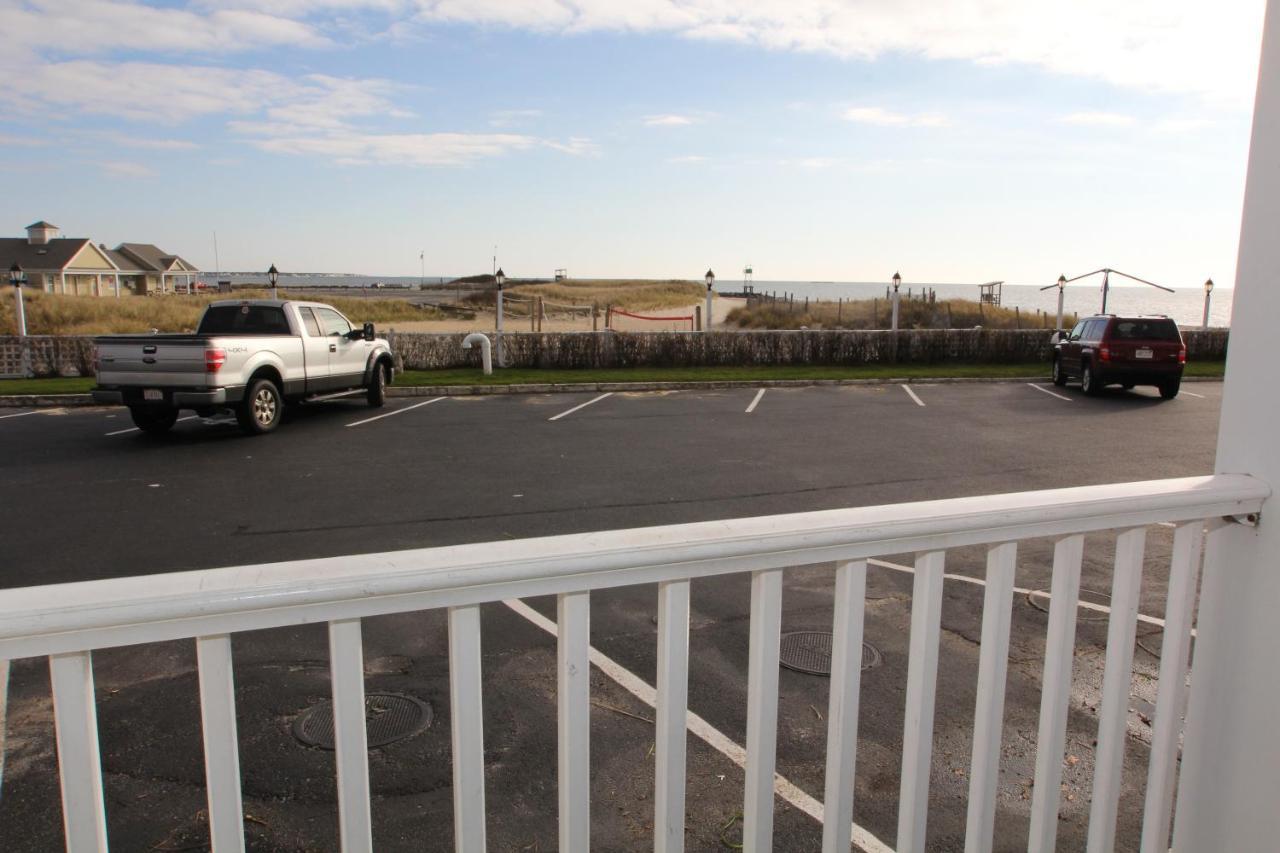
{"x":377,"y":395}
{"x":260,"y":411}
{"x":1059,"y":375}
{"x":153,"y":420}
{"x":1169,"y":390}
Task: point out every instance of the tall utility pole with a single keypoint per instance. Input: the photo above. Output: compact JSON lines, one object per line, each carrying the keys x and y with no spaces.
{"x":495,"y":260}
{"x":217,"y":265}
{"x":422,"y":278}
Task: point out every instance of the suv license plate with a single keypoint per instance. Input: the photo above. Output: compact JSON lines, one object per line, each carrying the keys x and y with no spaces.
{"x":1142,"y":353}
{"x":152,"y":394}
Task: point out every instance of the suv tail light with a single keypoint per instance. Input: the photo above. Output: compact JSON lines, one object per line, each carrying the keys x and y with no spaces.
{"x":1182,"y":354}
{"x":214,"y":359}
{"x":1104,"y":353}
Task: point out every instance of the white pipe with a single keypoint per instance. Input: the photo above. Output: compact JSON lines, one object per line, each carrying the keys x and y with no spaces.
{"x":485,"y":355}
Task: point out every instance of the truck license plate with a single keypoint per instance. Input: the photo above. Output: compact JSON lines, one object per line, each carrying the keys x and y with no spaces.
{"x":1142,"y":353}
{"x":152,"y":394}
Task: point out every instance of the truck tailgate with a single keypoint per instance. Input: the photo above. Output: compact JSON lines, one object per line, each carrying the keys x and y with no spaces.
{"x":176,"y":360}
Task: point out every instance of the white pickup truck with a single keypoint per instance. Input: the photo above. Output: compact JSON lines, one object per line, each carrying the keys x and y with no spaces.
{"x":249,"y":356}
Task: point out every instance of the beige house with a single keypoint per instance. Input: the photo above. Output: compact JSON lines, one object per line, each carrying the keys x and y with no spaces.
{"x":76,"y":266}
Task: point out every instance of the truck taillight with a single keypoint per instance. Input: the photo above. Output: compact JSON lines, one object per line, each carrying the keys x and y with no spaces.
{"x":1104,"y":353}
{"x":214,"y":359}
{"x":1182,"y":354}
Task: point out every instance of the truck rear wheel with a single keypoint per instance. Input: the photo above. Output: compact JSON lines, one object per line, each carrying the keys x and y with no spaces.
{"x":377,"y":386}
{"x":153,"y":420}
{"x":261,"y":409}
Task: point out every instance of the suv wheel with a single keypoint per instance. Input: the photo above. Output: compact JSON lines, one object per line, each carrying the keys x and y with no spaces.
{"x":378,"y":386}
{"x":261,"y":409}
{"x":1088,"y":382}
{"x":153,"y":420}
{"x":1059,"y":376}
{"x":1169,"y":390}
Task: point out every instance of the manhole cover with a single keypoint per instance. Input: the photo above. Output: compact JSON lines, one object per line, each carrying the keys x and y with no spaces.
{"x":388,"y":717}
{"x":810,"y":652}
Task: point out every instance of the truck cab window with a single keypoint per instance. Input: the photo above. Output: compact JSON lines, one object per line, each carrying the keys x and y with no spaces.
{"x":310,"y":323}
{"x":333,"y":322}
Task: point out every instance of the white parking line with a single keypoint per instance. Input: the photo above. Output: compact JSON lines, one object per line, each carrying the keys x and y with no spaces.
{"x":580,"y":406}
{"x":912,"y":395}
{"x":1193,"y":394}
{"x":20,"y":414}
{"x":135,"y":429}
{"x":397,"y":411}
{"x":713,"y":737}
{"x":4,"y":716}
{"x":1047,"y":391}
{"x":1039,"y":593}
{"x":755,"y":401}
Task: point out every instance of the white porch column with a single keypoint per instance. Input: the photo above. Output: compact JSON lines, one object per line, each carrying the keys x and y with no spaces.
{"x":62,"y":279}
{"x":117,"y":285}
{"x":1231,"y":760}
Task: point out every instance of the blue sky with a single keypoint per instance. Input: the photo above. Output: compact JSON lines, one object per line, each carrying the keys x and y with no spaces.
{"x":816,"y":139}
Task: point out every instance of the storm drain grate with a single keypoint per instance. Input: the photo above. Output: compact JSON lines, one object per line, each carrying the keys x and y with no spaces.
{"x":388,"y":717}
{"x":810,"y":652}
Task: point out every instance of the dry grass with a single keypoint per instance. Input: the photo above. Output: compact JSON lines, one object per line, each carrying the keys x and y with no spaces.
{"x":55,"y":314}
{"x":875,"y":314}
{"x":627,"y":294}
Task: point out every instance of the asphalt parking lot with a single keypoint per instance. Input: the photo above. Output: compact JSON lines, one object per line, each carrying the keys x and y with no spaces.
{"x":91,"y":498}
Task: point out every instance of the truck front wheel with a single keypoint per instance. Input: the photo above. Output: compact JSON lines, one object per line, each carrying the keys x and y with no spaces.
{"x":378,"y":386}
{"x":261,"y":409}
{"x":153,"y":420}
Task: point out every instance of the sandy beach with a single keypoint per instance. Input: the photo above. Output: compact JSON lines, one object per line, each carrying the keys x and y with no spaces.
{"x":485,"y":321}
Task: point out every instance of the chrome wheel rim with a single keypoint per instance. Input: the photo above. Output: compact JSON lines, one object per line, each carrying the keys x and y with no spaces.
{"x":264,"y":407}
{"x":1056,"y":368}
{"x":1086,"y":379}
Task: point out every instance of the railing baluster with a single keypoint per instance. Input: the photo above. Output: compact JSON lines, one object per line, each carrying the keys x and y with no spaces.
{"x":346,"y":672}
{"x":1117,"y":682}
{"x":842,"y":707}
{"x":465,"y":706}
{"x":762,"y":710}
{"x":573,"y":698}
{"x":84,"y":815}
{"x":988,"y":716}
{"x":1171,"y":696}
{"x":671,"y":715}
{"x":1055,"y":696}
{"x":922,"y":685}
{"x":221,"y":745}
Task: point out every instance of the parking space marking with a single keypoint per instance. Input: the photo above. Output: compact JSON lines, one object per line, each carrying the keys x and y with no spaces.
{"x":704,"y":731}
{"x":4,"y":716}
{"x":755,"y":401}
{"x":135,"y":429}
{"x":1047,"y":391}
{"x":20,"y":414}
{"x":397,"y":411}
{"x":912,"y":394}
{"x":580,"y":406}
{"x":1193,"y":394}
{"x":1087,"y":605}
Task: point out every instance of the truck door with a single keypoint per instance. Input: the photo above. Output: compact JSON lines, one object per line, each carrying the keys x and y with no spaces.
{"x":315,"y":348}
{"x":347,"y":358}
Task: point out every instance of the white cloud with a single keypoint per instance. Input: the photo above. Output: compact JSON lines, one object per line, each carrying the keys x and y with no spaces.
{"x":126,"y":140}
{"x":351,"y":147}
{"x":885,"y":118}
{"x":688,"y":159}
{"x":1089,"y":119}
{"x":509,"y":118}
{"x":127,"y":169}
{"x":668,"y":120}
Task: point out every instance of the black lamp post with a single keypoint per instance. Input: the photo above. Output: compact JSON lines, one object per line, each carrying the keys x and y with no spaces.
{"x":18,"y":277}
{"x":1208,"y":289}
{"x":273,"y":275}
{"x":711,"y":280}
{"x":897,"y":281}
{"x":501,"y":278}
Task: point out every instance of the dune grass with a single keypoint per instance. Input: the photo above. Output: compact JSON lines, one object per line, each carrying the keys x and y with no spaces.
{"x":877,"y":314}
{"x":627,"y":294}
{"x":55,"y":314}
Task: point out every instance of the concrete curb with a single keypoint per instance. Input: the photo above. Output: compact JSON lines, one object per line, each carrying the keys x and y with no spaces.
{"x":71,"y":400}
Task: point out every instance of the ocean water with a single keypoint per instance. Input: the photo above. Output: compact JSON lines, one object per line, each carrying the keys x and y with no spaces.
{"x":1185,"y":305}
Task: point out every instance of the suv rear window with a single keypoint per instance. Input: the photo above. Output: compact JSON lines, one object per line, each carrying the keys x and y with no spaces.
{"x":244,"y":320}
{"x":1145,"y":330}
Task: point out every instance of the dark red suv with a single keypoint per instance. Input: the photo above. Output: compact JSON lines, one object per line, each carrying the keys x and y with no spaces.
{"x":1128,"y":351}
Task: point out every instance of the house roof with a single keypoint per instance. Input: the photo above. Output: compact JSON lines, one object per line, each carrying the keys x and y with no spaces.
{"x":152,"y":258}
{"x":124,"y":262}
{"x":42,"y":224}
{"x":54,"y":255}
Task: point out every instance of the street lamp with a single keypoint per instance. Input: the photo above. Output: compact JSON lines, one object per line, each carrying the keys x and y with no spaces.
{"x":1208,"y":289}
{"x":273,"y":275}
{"x":17,"y":277}
{"x":711,"y":280}
{"x":1062,"y":286}
{"x":501,"y":278}
{"x":897,"y":282}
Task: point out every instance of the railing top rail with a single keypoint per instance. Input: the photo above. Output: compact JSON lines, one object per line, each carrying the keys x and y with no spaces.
{"x":95,"y":614}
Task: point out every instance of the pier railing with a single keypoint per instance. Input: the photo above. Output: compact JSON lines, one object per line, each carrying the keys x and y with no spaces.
{"x":67,"y":622}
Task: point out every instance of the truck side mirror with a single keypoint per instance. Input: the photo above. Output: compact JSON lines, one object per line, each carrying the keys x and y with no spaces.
{"x":368,"y":331}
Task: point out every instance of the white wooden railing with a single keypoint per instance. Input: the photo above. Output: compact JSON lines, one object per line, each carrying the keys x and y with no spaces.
{"x":66,"y":622}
